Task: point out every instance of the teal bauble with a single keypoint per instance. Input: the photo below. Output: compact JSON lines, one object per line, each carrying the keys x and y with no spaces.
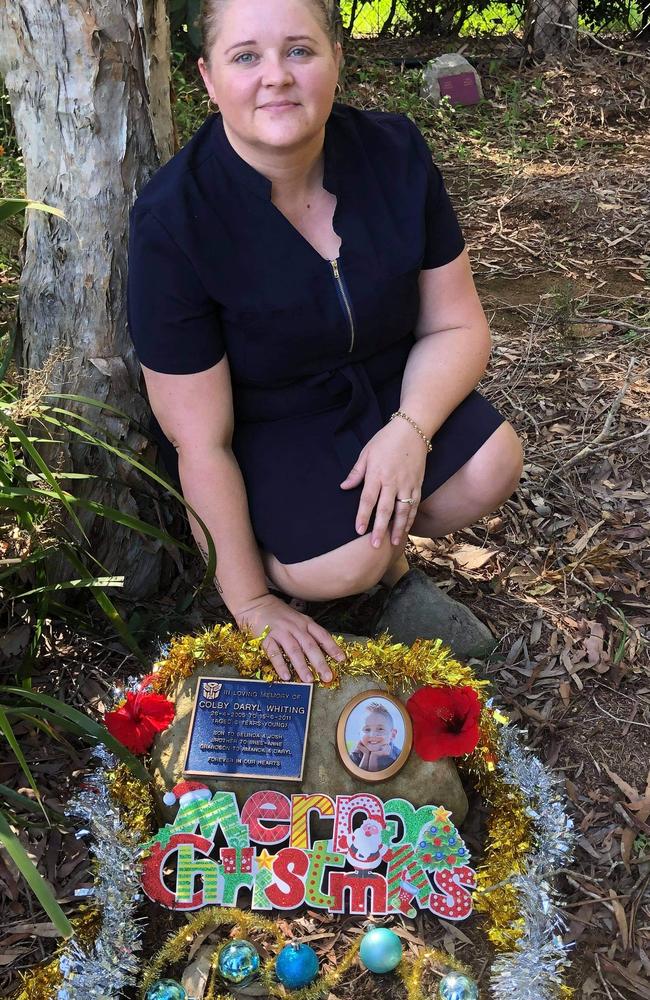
{"x":296,"y":966}
{"x":455,"y":986}
{"x":166,"y":989}
{"x":381,"y":950}
{"x":238,"y":962}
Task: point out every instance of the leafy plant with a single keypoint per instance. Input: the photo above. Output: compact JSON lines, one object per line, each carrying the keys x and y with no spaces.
{"x":38,"y":885}
{"x":51,"y":715}
{"x":47,"y":515}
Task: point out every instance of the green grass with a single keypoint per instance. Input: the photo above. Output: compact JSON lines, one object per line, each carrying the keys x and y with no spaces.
{"x":370,"y":17}
{"x":496,"y":19}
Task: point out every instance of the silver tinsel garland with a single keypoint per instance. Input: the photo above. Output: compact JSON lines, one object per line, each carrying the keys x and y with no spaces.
{"x":112,"y":963}
{"x":533,"y":971}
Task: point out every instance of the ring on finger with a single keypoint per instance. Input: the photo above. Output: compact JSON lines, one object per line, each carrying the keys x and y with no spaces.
{"x":404,"y":500}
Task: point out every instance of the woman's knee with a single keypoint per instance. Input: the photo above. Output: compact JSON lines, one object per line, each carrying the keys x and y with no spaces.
{"x":350,"y":569}
{"x":494,"y":471}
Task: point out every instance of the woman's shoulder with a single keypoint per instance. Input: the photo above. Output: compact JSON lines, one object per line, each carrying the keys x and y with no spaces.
{"x":173,"y":185}
{"x":383,"y":147}
{"x":388,"y":131}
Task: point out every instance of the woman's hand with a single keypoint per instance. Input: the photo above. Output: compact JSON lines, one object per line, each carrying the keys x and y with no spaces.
{"x":293,"y":636}
{"x":391,"y":465}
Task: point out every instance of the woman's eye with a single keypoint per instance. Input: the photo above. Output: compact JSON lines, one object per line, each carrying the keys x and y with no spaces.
{"x":244,"y":57}
{"x":300,"y":50}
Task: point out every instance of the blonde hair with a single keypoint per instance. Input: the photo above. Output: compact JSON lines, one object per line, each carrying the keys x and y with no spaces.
{"x":379,"y":709}
{"x":212,"y":10}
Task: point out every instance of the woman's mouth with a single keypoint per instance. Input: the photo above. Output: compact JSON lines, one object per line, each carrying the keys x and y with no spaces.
{"x":279,"y":106}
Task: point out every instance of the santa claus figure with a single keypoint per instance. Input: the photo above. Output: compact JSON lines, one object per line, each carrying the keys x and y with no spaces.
{"x":365,"y":850}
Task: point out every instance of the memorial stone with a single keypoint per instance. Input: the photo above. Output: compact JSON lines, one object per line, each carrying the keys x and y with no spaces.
{"x":452,"y":76}
{"x":420,"y":781}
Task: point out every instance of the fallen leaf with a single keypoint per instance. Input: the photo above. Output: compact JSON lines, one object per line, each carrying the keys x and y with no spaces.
{"x":472,"y":556}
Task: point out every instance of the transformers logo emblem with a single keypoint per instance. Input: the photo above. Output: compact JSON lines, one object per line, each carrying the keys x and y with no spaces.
{"x":212,"y":689}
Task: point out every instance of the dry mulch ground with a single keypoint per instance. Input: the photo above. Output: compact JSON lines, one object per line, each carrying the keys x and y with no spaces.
{"x":550,"y":180}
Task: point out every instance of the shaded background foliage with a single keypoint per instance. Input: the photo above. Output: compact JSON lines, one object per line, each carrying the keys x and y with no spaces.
{"x":441,"y":19}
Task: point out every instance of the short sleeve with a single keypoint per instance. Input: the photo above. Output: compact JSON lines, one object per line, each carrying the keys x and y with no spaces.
{"x":173,"y":322}
{"x":444,"y":237}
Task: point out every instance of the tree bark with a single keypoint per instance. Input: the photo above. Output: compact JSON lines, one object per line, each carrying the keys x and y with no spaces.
{"x":552,"y":26}
{"x":88,"y":82}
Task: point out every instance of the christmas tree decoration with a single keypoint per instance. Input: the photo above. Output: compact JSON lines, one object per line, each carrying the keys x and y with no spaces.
{"x":296,"y":966}
{"x":455,"y":986}
{"x":439,"y":844}
{"x":166,"y":989}
{"x":238,"y":962}
{"x":380,"y":950}
{"x":263,"y":881}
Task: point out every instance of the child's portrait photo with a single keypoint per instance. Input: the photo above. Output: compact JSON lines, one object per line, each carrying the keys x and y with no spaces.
{"x":374,"y":736}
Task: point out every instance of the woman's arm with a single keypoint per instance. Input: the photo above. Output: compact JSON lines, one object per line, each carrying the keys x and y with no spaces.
{"x":446,"y":362}
{"x":195,"y":413}
{"x":452,"y":345}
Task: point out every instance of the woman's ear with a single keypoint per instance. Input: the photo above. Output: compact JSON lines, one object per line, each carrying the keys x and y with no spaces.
{"x":338,"y":55}
{"x":205,"y":75}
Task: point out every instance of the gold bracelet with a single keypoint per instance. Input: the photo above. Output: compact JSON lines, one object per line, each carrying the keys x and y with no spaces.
{"x":405,"y":416}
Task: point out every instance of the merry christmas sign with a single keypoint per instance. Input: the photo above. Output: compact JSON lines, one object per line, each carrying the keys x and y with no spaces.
{"x":383,"y":857}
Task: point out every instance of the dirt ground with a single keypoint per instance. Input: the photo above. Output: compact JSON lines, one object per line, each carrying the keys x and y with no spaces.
{"x":550,"y":180}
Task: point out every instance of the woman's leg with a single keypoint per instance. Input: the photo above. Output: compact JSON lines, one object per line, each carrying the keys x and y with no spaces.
{"x":479,"y":487}
{"x":350,"y":569}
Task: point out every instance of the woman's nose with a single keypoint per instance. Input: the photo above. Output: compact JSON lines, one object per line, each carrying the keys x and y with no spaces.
{"x":276,"y":72}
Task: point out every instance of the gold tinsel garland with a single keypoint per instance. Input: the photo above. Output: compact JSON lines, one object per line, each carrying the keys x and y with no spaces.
{"x":427,"y":662}
{"x":508,"y":840}
{"x":134,"y":799}
{"x":412,"y":972}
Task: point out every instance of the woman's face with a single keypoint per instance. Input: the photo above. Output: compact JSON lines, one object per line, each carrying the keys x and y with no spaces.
{"x":272,"y":71}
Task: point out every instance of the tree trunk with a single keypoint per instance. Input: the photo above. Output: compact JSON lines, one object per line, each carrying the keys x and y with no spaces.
{"x":88,"y":82}
{"x":552,"y":26}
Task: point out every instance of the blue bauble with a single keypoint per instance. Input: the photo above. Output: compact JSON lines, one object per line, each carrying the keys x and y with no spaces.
{"x":166,"y":989}
{"x":455,"y":986}
{"x":238,"y":962}
{"x":381,"y":950}
{"x":296,"y":966}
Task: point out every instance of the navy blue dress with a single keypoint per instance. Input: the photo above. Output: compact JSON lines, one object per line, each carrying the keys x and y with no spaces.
{"x":316,"y":349}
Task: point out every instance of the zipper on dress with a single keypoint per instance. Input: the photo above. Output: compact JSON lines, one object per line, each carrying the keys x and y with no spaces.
{"x":344,"y":298}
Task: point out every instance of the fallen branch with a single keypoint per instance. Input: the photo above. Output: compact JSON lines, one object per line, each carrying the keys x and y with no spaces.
{"x":609,"y":322}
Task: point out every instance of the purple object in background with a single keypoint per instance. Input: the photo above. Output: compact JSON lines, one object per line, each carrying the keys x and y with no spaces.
{"x":460,"y":88}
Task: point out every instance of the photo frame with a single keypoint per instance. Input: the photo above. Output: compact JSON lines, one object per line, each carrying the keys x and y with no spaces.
{"x":374,"y":736}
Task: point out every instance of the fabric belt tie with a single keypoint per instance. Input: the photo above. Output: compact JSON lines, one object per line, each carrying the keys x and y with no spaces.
{"x":352,"y":387}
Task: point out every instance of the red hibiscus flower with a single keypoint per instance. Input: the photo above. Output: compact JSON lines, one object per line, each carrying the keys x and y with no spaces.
{"x":445,"y":721}
{"x":136,"y":722}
